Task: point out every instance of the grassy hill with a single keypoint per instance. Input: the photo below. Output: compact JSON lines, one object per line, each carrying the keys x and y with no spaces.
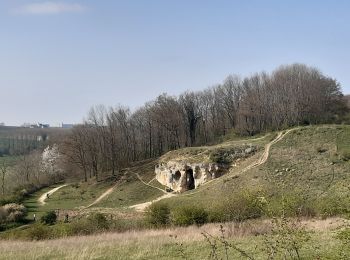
{"x":307,"y":173}
{"x":312,"y":162}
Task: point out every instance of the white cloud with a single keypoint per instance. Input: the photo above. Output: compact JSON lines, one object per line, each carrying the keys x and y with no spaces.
{"x":49,"y":8}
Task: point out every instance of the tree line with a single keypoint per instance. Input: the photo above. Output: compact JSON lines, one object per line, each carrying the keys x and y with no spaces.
{"x":111,"y":138}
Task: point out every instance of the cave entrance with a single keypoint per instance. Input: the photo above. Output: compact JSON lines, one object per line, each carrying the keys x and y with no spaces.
{"x":189,"y":179}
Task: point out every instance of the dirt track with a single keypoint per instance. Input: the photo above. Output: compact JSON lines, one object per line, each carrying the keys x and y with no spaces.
{"x":105,"y":194}
{"x":260,"y":161}
{"x":43,"y":197}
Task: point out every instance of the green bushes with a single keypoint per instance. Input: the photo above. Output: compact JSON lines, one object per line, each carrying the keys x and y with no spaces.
{"x":38,"y":232}
{"x":158,"y":215}
{"x":187,"y":215}
{"x":291,"y":204}
{"x":332,"y":205}
{"x":92,"y":224}
{"x":49,"y":218}
{"x":239,"y":206}
{"x":99,"y":221}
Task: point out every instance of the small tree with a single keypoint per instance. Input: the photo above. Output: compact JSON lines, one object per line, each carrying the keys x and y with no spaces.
{"x":49,"y":218}
{"x":158,"y":214}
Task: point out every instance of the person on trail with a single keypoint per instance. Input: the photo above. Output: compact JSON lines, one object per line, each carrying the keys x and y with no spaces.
{"x":47,"y":195}
{"x":66,"y":218}
{"x":34,"y":217}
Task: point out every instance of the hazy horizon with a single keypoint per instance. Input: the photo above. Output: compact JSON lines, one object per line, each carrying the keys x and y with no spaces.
{"x":59,"y":58}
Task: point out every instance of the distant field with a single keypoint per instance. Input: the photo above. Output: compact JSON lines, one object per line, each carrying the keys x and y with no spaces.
{"x":70,"y":197}
{"x":9,"y":160}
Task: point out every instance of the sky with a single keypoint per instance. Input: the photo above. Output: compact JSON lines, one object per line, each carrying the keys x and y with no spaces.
{"x":59,"y":58}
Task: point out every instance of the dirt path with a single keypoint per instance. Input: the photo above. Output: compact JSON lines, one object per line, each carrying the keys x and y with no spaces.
{"x":142,"y":206}
{"x":266,"y":152}
{"x":43,"y":197}
{"x":105,"y":194}
{"x":260,"y":161}
{"x":263,"y":158}
{"x":149,"y":185}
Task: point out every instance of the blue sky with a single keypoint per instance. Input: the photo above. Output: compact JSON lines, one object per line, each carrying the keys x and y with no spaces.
{"x":59,"y":58}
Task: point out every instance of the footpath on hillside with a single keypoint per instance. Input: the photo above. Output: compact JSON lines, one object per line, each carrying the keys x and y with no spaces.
{"x":44,"y":196}
{"x":262,"y":159}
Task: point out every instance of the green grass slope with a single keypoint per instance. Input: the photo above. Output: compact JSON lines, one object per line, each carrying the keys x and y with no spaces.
{"x":131,"y":190}
{"x":309,"y":163}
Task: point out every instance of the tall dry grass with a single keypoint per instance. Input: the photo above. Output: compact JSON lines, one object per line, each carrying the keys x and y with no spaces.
{"x":146,"y":244}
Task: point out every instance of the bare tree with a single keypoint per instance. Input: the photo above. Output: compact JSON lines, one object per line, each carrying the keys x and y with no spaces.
{"x":3,"y":169}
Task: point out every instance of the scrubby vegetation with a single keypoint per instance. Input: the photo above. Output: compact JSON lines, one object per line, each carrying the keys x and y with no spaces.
{"x":11,"y":215}
{"x":49,"y":218}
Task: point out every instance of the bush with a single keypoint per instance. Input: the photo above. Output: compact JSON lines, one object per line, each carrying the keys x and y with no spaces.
{"x":2,"y":215}
{"x":80,"y":227}
{"x":49,"y":218}
{"x":345,"y":156}
{"x":84,"y":226}
{"x":99,"y":221}
{"x":332,"y":205}
{"x":292,"y":204}
{"x":12,"y":213}
{"x":38,"y":232}
{"x":10,"y":199}
{"x":158,"y":214}
{"x":241,"y":206}
{"x":188,"y":215}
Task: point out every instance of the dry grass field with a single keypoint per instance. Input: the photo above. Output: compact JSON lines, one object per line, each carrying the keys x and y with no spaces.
{"x":175,"y":243}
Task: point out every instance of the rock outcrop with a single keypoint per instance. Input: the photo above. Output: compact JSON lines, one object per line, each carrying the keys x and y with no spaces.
{"x":180,"y":176}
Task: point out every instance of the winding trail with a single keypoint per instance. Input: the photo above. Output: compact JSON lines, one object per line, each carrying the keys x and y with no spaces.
{"x":149,"y":185}
{"x":142,"y":206}
{"x":44,"y":196}
{"x":263,"y":158}
{"x":266,"y":152}
{"x":102,"y":196}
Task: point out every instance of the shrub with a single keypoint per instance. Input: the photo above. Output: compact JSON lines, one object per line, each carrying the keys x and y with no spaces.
{"x":158,"y":214}
{"x":292,"y":204}
{"x":344,"y":235}
{"x":10,"y":199}
{"x":188,"y":215}
{"x":49,"y":218}
{"x":345,"y":156}
{"x":288,"y":239}
{"x":81,"y":227}
{"x":241,"y":206}
{"x":331,"y":205}
{"x":38,"y":232}
{"x":96,"y":222}
{"x":99,"y":221}
{"x":2,"y":215}
{"x":13,"y":213}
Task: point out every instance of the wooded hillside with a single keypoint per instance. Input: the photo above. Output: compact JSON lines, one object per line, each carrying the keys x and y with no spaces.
{"x":291,"y":95}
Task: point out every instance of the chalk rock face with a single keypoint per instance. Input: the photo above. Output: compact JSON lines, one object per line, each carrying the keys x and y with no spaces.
{"x":180,"y":176}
